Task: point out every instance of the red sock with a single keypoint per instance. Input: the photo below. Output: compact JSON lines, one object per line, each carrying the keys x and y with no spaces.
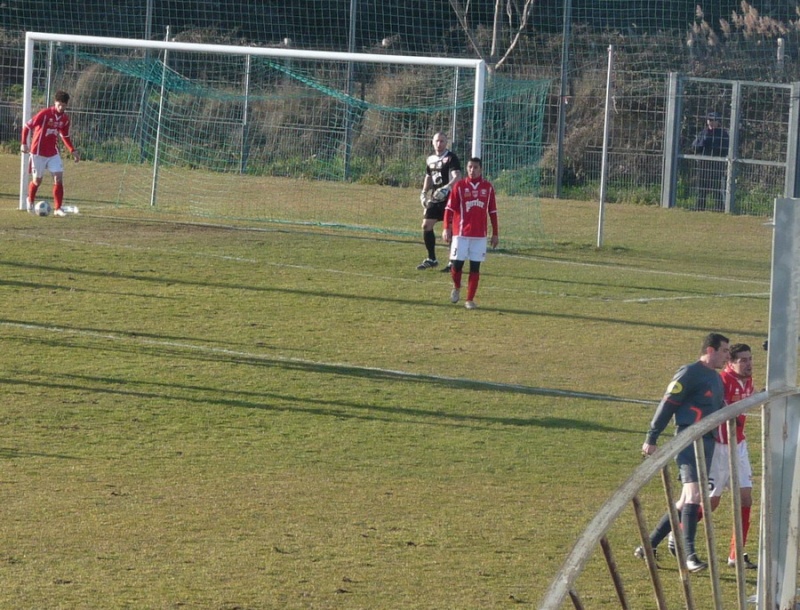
{"x":58,"y":195}
{"x":456,"y":275}
{"x":32,"y":188}
{"x":745,"y":529}
{"x":472,"y":285}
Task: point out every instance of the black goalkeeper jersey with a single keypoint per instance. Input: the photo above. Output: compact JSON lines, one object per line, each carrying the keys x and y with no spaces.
{"x":439,"y":167}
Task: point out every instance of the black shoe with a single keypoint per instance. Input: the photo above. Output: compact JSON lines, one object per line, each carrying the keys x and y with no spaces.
{"x":748,"y":565}
{"x":693,"y":564}
{"x":428,"y":263}
{"x":446,"y":268}
{"x":639,"y":553}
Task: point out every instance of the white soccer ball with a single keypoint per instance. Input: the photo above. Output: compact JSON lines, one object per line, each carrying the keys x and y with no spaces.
{"x":42,"y":208}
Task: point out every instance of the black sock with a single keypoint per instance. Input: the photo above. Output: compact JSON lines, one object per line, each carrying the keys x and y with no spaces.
{"x":689,"y":521}
{"x":661,"y":531}
{"x":429,"y":237}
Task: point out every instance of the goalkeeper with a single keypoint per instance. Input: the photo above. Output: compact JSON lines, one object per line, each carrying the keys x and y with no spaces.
{"x":442,"y":171}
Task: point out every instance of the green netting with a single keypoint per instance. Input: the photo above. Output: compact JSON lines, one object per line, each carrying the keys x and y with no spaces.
{"x":724,"y":39}
{"x":252,"y":138}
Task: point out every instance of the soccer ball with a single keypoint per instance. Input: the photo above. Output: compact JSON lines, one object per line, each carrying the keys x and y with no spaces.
{"x":42,"y":208}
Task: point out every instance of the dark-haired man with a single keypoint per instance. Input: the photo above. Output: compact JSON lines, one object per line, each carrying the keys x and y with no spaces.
{"x":47,"y":126}
{"x":695,"y":392}
{"x":737,"y":377}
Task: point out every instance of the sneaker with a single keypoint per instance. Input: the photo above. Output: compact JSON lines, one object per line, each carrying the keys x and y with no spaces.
{"x":748,"y":565}
{"x":455,"y":294}
{"x":470,"y":305}
{"x":671,"y":545}
{"x":59,"y":212}
{"x":446,"y":268}
{"x":639,"y":553}
{"x":428,"y":263}
{"x":693,"y":564}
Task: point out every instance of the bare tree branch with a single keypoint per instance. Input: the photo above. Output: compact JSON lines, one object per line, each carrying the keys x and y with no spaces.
{"x":461,"y":15}
{"x":512,"y":8}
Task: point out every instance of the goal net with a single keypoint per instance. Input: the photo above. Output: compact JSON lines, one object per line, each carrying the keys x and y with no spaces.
{"x":275,"y":135}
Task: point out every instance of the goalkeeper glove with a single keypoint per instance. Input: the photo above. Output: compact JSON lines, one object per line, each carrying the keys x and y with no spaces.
{"x":441,"y":194}
{"x":423,"y":199}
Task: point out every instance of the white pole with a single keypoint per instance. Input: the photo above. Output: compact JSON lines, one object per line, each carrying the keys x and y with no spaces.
{"x":453,"y":132}
{"x":26,"y":116}
{"x":158,"y":127}
{"x":477,"y":115}
{"x":193,"y":47}
{"x":606,"y":132}
{"x":245,"y":104}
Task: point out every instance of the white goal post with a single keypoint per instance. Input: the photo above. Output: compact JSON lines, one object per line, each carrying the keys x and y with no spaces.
{"x":31,"y":38}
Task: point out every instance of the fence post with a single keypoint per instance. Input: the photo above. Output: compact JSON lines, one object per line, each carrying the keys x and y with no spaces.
{"x":669,"y":180}
{"x":780,"y":514}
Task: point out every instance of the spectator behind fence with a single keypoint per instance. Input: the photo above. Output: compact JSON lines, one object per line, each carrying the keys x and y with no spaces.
{"x":713,"y":141}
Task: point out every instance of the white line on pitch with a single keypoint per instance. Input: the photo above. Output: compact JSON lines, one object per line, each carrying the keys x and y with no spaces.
{"x":331,"y":365}
{"x":637,"y":269}
{"x":699,"y":296}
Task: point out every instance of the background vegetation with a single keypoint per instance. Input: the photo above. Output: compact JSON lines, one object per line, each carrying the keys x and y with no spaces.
{"x":718,"y":39}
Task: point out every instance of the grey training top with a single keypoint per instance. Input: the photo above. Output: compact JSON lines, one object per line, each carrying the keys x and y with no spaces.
{"x":695,"y":392}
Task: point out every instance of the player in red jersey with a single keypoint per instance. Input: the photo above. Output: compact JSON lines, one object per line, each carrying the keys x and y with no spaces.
{"x":47,"y":126}
{"x":469,"y":210}
{"x":737,"y":377}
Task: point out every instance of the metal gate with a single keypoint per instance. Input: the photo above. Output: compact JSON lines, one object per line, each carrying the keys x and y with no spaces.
{"x":762,"y":157}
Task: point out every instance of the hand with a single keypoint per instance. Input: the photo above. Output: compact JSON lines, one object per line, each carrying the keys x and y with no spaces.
{"x":441,"y":194}
{"x":447,"y":234}
{"x":24,"y":149}
{"x":648,"y":449}
{"x":423,"y":199}
{"x":494,"y":241}
{"x":76,"y":155}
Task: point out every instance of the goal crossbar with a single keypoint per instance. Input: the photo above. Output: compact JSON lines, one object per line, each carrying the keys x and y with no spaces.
{"x":32,"y":37}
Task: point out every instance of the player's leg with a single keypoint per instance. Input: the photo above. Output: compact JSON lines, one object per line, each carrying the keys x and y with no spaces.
{"x":38,"y":166}
{"x":456,"y":267}
{"x":433,"y":214}
{"x":746,"y":495}
{"x":687,"y":465}
{"x":719,"y":474}
{"x":476,"y":254}
{"x":56,"y":168}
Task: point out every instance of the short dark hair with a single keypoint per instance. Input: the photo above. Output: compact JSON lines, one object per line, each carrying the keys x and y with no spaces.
{"x":714,"y":340}
{"x":738,"y":348}
{"x":62,"y":96}
{"x":476,"y":160}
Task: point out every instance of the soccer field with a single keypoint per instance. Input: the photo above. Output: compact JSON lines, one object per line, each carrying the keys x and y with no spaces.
{"x":204,"y":416}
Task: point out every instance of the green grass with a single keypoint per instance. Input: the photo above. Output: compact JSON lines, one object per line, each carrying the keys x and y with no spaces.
{"x":205,"y":417}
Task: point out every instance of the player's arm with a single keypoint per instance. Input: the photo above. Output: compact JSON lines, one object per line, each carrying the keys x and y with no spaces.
{"x":447,"y":231}
{"x":27,"y":128}
{"x":427,"y":185}
{"x":64,"y":133}
{"x":455,"y":176}
{"x":672,"y":400}
{"x":495,"y":239}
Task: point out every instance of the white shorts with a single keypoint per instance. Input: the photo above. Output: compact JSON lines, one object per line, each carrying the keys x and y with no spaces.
{"x":719,"y":476}
{"x":468,"y":248}
{"x":40,"y":165}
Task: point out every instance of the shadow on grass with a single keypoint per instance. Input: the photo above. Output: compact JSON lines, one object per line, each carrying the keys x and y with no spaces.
{"x":339,"y":409}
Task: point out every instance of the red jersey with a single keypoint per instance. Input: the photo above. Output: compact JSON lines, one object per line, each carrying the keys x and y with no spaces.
{"x":736,"y":389}
{"x":470,"y":206}
{"x":47,"y":125}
